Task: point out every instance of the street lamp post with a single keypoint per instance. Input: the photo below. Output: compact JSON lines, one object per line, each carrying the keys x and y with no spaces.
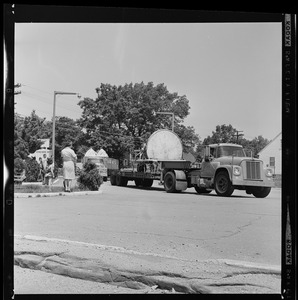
{"x":54,"y":119}
{"x":167,"y":113}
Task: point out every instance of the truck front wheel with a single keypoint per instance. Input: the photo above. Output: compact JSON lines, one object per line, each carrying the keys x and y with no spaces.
{"x":261,"y":192}
{"x":170,"y":182}
{"x":223,"y":185}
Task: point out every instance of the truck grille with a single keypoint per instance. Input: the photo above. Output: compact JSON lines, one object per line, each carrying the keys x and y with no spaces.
{"x":253,"y":170}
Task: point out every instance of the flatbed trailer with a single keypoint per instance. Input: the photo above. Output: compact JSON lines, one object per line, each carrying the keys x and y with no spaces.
{"x":144,"y":172}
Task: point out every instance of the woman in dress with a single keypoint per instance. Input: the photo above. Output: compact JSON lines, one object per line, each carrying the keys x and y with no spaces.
{"x":69,"y":160}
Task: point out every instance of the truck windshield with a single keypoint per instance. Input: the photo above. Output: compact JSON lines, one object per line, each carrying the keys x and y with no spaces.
{"x":230,"y":150}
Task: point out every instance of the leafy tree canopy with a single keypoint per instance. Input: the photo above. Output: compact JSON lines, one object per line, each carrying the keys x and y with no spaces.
{"x":228,"y":134}
{"x":27,"y":132}
{"x":122,"y":118}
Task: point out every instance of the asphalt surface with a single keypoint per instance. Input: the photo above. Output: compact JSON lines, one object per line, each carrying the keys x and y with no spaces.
{"x":113,"y":265}
{"x":118,"y":270}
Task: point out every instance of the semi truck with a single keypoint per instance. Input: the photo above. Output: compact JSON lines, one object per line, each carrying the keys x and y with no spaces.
{"x":224,"y":168}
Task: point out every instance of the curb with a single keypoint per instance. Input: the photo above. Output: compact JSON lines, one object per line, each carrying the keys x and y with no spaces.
{"x":36,"y":195}
{"x":122,"y":267}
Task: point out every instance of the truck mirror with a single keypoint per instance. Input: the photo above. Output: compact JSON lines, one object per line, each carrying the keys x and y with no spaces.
{"x":207,"y":153}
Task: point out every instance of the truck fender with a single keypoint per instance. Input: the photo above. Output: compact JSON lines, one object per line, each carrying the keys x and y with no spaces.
{"x":181,"y":181}
{"x":221,"y":168}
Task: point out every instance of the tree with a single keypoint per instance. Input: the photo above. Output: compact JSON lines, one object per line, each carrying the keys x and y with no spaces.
{"x":222,"y":134}
{"x":66,"y":130}
{"x":20,"y":146}
{"x":228,"y":134}
{"x":122,"y":118}
{"x":33,"y":131}
{"x":256,"y":145}
{"x":188,"y":138}
{"x":27,"y":132}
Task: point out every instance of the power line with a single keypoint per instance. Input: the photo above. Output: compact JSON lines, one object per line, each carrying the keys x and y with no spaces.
{"x":238,"y":135}
{"x":34,"y":88}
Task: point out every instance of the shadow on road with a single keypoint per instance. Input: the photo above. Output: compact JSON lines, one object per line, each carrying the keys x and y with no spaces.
{"x":187,"y":192}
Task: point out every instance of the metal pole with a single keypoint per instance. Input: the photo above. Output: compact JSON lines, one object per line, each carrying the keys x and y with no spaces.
{"x":173,"y":122}
{"x":53,"y":137}
{"x":54,"y":119}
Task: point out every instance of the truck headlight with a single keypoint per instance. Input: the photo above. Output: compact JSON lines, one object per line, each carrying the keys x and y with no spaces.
{"x":237,"y":171}
{"x":268,"y":172}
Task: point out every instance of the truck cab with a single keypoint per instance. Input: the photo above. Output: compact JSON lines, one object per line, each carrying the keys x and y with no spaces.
{"x":226,"y":167}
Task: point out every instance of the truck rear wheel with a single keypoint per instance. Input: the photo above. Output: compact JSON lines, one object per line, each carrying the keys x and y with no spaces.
{"x":261,"y":192}
{"x":170,"y":182}
{"x":223,"y":185}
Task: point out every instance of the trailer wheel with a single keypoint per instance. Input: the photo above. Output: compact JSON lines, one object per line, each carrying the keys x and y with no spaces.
{"x":138,"y":182}
{"x":121,"y":181}
{"x":170,"y":182}
{"x":113,"y":179}
{"x":202,"y":190}
{"x":261,"y":192}
{"x":223,"y":185}
{"x":147,"y":182}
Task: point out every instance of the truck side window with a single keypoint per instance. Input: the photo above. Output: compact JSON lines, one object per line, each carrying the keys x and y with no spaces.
{"x":212,"y":152}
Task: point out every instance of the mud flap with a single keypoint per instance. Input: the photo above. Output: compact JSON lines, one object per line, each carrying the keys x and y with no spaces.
{"x":181,"y":182}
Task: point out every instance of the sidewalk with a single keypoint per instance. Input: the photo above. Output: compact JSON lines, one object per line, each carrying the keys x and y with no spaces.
{"x":57,"y":182}
{"x":108,"y":269}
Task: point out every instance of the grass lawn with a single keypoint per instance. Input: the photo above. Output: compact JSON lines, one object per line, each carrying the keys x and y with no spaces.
{"x":37,"y":188}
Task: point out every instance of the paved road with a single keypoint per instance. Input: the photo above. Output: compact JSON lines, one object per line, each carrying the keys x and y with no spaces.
{"x":185,"y":225}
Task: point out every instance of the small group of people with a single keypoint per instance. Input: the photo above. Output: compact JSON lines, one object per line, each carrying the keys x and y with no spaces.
{"x":69,"y":165}
{"x":46,"y":170}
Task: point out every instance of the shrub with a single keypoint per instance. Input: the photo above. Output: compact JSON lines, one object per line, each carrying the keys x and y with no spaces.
{"x":19,"y":165}
{"x":32,"y":170}
{"x":89,"y":177}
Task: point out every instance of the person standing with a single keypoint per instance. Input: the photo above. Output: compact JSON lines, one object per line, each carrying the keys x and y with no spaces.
{"x":69,"y":160}
{"x":44,"y":167}
{"x":41,"y":174}
{"x":49,"y":174}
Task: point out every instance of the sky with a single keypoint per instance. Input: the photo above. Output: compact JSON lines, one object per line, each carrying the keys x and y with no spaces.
{"x":229,"y":72}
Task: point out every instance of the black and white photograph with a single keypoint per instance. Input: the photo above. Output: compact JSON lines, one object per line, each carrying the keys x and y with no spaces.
{"x":147,"y":156}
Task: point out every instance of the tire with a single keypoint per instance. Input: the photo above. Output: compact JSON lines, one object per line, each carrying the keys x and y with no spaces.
{"x":124,"y":181}
{"x":138,"y":182}
{"x":223,"y":185}
{"x":261,"y":192}
{"x":121,"y":181}
{"x":170,"y":182}
{"x":202,"y":190}
{"x":113,"y":179}
{"x":147,"y":182}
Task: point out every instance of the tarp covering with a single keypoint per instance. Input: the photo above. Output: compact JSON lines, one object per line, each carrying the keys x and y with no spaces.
{"x":90,"y":152}
{"x":102,"y":153}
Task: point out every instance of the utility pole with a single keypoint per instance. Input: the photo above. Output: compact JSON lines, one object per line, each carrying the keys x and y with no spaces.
{"x":17,"y":92}
{"x":54,"y":118}
{"x":238,"y":135}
